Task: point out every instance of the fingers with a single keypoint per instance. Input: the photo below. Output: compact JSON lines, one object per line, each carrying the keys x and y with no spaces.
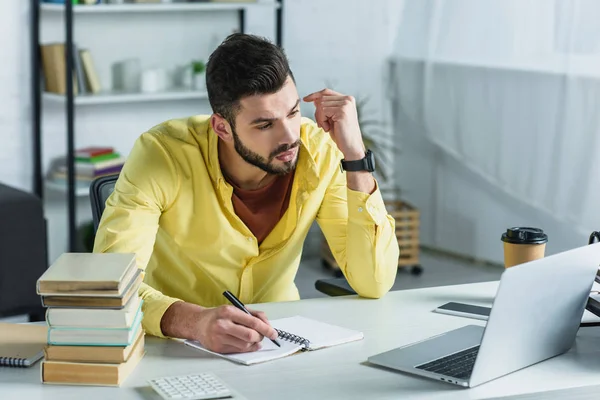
{"x":244,"y":333}
{"x":260,"y":315}
{"x":249,"y":321}
{"x":333,"y":103}
{"x":324,"y":99}
{"x":231,"y":344}
{"x":321,"y":119}
{"x":317,"y":95}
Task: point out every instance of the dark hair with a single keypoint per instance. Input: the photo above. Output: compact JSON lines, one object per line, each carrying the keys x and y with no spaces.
{"x":243,"y":65}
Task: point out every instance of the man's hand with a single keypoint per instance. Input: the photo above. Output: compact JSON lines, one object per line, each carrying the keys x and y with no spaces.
{"x":336,"y":113}
{"x":223,"y":329}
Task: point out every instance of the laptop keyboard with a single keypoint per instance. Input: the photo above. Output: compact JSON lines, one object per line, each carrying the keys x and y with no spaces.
{"x":458,"y":365}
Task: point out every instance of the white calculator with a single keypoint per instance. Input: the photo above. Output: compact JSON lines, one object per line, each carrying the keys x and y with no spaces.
{"x":191,"y":387}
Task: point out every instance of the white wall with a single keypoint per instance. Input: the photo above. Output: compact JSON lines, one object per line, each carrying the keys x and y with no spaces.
{"x":15,"y":132}
{"x":460,"y":211}
{"x":344,"y":42}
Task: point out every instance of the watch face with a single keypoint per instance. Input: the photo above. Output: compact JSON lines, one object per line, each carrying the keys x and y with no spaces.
{"x":371,"y":160}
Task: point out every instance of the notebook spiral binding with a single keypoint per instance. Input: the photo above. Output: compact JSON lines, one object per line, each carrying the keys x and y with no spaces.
{"x":290,"y":337}
{"x":12,"y":362}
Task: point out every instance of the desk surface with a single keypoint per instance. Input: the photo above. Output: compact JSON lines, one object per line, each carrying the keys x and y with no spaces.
{"x":341,"y":372}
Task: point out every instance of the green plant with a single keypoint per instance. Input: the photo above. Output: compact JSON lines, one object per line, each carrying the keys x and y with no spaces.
{"x":198,"y":66}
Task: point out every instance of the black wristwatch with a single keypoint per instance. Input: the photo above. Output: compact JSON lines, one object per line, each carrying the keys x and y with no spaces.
{"x":365,"y":164}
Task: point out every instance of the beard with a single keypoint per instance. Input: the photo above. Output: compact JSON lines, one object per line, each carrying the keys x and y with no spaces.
{"x":265,"y":164}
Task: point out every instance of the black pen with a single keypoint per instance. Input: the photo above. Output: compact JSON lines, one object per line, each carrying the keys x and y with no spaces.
{"x":234,"y":300}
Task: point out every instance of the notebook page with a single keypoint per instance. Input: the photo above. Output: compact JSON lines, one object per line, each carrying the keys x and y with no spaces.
{"x":320,"y":334}
{"x":268,"y":352}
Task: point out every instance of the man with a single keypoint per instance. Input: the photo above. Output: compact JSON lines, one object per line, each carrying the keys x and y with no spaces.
{"x":224,"y":202}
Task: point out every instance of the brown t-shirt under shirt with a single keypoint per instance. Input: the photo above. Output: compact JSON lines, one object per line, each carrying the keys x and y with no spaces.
{"x":261,"y":209}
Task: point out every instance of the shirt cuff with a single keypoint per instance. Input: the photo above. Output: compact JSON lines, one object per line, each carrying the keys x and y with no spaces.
{"x":366,"y":208}
{"x":154,"y":307}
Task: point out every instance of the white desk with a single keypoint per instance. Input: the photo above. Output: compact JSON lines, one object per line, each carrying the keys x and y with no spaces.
{"x":339,"y":372}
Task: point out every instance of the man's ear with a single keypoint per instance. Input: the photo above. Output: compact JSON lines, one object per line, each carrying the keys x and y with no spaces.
{"x":221,"y":127}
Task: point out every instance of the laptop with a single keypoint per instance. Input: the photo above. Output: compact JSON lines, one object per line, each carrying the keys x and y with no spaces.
{"x":535,"y":316}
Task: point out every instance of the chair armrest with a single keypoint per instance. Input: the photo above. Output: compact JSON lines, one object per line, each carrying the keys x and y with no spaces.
{"x":334,"y":287}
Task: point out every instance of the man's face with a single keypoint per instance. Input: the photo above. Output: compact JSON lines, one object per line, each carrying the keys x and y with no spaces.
{"x":267,"y":130}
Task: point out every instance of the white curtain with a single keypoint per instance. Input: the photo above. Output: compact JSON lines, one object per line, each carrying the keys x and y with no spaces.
{"x":511,"y":89}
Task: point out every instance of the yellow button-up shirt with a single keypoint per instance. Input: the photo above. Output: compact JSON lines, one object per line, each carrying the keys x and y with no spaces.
{"x":172,"y":207}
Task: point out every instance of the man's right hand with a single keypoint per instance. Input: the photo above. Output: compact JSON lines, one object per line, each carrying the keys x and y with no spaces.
{"x":224,"y":329}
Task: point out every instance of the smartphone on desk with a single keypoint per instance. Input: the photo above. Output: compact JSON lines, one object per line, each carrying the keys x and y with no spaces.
{"x":464,"y":310}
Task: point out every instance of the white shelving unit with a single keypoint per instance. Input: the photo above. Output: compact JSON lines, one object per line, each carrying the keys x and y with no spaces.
{"x":80,"y":191}
{"x":262,"y":17}
{"x":154,"y":7}
{"x":116,"y":97}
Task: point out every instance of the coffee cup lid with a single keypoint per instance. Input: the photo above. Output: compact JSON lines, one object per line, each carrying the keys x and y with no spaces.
{"x":524,"y":235}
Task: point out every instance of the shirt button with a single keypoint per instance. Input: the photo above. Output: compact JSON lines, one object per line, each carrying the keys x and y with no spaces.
{"x":360,"y":209}
{"x":249,"y":239}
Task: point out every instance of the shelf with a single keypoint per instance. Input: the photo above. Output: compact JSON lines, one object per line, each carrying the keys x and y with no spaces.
{"x":80,"y":191}
{"x":116,"y":97}
{"x":153,"y":7}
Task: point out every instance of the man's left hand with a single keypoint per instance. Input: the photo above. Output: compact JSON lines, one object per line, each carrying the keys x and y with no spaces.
{"x":336,"y":114}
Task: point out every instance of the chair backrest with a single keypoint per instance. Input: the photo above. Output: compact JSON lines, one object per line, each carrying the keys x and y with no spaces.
{"x":100,"y":189}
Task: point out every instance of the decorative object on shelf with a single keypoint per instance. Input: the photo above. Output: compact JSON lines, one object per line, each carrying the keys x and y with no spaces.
{"x":199,"y":75}
{"x":154,"y":80}
{"x":126,"y":75}
{"x":183,"y":76}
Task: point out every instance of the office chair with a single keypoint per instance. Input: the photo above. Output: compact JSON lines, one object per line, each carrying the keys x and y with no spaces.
{"x":100,"y":189}
{"x":23,"y":252}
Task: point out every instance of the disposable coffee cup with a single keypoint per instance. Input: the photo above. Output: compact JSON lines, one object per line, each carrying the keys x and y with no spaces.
{"x":522,"y":244}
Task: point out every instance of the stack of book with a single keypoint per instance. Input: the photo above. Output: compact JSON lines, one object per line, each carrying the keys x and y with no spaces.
{"x":91,"y":163}
{"x":54,"y":69}
{"x":94,"y":319}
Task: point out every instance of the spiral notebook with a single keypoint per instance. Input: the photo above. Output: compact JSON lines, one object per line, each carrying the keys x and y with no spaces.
{"x":295,"y":334}
{"x":21,"y":345}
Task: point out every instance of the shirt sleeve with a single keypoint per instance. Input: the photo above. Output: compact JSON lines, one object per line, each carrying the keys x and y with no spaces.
{"x":361,"y":235}
{"x":147,"y":185}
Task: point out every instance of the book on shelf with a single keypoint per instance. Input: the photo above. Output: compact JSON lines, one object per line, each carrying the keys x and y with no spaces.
{"x":91,"y":167}
{"x":98,"y":158}
{"x":54,"y":69}
{"x":91,"y":75}
{"x":92,"y":373}
{"x":91,"y":171}
{"x":93,"y":151}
